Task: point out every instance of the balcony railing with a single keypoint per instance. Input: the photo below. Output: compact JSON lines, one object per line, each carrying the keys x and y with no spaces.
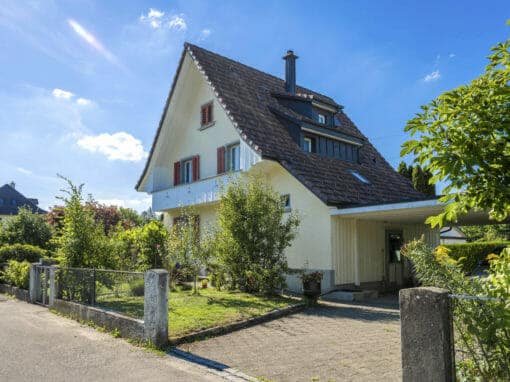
{"x":199,"y":192}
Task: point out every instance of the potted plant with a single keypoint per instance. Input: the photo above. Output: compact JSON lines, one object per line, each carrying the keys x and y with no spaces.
{"x":312,"y":284}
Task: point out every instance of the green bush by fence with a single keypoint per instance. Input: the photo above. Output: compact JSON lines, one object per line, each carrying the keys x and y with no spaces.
{"x":17,"y":273}
{"x":473,"y":253}
{"x":22,"y":252}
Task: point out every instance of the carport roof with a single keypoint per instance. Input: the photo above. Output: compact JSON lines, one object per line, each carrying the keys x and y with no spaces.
{"x":407,"y":212}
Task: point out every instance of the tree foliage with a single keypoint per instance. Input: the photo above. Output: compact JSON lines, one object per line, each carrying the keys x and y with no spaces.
{"x":189,"y":247}
{"x":82,"y":242}
{"x":26,"y":228}
{"x":419,"y":177}
{"x":490,"y":232}
{"x":253,"y":234}
{"x":462,"y":138}
{"x":481,"y":325}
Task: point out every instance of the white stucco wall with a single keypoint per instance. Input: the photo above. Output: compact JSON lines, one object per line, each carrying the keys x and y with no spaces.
{"x":182,"y":137}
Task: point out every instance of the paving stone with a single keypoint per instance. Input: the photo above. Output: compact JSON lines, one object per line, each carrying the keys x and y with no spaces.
{"x":332,"y":342}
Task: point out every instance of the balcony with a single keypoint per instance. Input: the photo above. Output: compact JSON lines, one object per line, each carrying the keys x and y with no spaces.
{"x":199,"y":192}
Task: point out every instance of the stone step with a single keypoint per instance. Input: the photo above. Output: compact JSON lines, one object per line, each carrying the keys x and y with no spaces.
{"x":348,"y":295}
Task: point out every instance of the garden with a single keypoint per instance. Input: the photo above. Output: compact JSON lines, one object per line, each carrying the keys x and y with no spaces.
{"x":218,"y":275}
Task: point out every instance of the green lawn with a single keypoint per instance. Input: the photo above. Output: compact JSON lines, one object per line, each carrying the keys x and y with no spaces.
{"x":189,"y":313}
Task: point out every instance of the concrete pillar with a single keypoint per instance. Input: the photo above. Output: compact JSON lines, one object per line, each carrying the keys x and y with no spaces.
{"x":35,"y":283}
{"x":53,"y":286}
{"x":156,"y":307}
{"x":426,"y":335}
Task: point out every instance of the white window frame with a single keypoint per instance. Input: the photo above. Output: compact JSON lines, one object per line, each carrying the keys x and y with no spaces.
{"x":307,"y":140}
{"x":187,"y":165}
{"x":234,"y":161}
{"x":322,"y":118}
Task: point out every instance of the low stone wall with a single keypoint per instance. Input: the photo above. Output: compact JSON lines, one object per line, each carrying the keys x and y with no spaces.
{"x":128,"y":327}
{"x":20,"y":294}
{"x":219,"y":330}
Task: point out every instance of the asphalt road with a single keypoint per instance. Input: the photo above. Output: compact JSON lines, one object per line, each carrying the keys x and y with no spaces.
{"x":37,"y":345}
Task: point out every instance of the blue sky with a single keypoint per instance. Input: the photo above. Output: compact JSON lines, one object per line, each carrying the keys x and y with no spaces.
{"x":83,"y":82}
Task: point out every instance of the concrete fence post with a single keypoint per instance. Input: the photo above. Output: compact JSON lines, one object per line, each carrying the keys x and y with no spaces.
{"x":35,"y":283}
{"x":53,"y":286}
{"x":156,"y":307}
{"x":426,"y":335}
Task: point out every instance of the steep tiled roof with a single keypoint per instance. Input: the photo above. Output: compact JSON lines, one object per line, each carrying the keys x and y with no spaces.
{"x":11,"y":200}
{"x":248,"y":95}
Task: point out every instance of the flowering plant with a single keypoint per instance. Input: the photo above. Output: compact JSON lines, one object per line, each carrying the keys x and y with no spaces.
{"x":312,"y":276}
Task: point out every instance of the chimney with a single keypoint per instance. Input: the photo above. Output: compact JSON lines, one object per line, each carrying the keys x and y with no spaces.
{"x":12,"y":184}
{"x":290,"y":72}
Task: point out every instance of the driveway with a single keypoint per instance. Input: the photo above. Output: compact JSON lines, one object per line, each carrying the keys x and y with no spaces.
{"x":332,"y":342}
{"x":36,"y":345}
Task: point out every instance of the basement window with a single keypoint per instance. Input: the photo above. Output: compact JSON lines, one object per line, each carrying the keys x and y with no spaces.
{"x":360,"y":177}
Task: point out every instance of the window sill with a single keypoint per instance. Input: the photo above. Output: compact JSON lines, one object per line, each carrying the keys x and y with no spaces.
{"x":206,"y":126}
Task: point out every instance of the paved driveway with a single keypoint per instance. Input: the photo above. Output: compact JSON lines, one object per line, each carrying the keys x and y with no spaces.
{"x":36,"y":345}
{"x":333,"y":342}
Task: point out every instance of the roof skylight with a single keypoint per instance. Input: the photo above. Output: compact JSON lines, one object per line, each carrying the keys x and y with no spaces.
{"x":360,"y":177}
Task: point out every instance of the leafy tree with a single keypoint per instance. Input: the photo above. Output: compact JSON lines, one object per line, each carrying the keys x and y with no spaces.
{"x":419,"y":177}
{"x":130,"y":218}
{"x":490,"y":232}
{"x":462,"y":138}
{"x":253,"y":234}
{"x":140,"y":248}
{"x":82,"y":242}
{"x":26,"y":228}
{"x":482,"y":326}
{"x":187,"y":247}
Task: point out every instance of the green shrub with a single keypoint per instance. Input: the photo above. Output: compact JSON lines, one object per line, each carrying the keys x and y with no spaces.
{"x":22,"y":252}
{"x":473,"y":253}
{"x":137,"y":287}
{"x":17,"y":274}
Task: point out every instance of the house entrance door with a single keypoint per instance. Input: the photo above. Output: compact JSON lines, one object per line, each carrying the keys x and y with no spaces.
{"x":394,"y":261}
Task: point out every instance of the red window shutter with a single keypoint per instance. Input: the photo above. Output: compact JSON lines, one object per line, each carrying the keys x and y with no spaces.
{"x":196,"y":167}
{"x":221,"y":159}
{"x":177,"y":173}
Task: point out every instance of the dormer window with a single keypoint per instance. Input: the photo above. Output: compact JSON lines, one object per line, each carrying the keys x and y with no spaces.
{"x":322,"y":118}
{"x":207,"y":114}
{"x":309,"y":144}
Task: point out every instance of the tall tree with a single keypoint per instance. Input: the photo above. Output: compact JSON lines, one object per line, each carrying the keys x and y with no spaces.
{"x":462,"y":138}
{"x":26,"y":228}
{"x":419,"y":177}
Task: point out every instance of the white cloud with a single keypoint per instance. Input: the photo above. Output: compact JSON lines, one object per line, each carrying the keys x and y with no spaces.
{"x":118,"y":146}
{"x":24,"y":170}
{"x":83,"y":101}
{"x":451,"y":55}
{"x":178,"y":22}
{"x":205,"y":33}
{"x":153,"y":18}
{"x":60,"y":93}
{"x":434,"y":76}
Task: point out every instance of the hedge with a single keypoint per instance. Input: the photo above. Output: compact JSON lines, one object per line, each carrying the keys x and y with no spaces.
{"x":17,"y":273}
{"x":22,"y":252}
{"x":473,"y":253}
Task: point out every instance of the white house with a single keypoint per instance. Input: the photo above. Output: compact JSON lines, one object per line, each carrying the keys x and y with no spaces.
{"x":223,"y":118}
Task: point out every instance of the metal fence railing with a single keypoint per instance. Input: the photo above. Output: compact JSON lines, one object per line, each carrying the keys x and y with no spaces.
{"x":120,"y":291}
{"x":481,"y":337}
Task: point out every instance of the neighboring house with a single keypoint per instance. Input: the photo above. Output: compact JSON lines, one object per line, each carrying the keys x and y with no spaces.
{"x":452,"y":235}
{"x":11,"y":200}
{"x":222,"y":118}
